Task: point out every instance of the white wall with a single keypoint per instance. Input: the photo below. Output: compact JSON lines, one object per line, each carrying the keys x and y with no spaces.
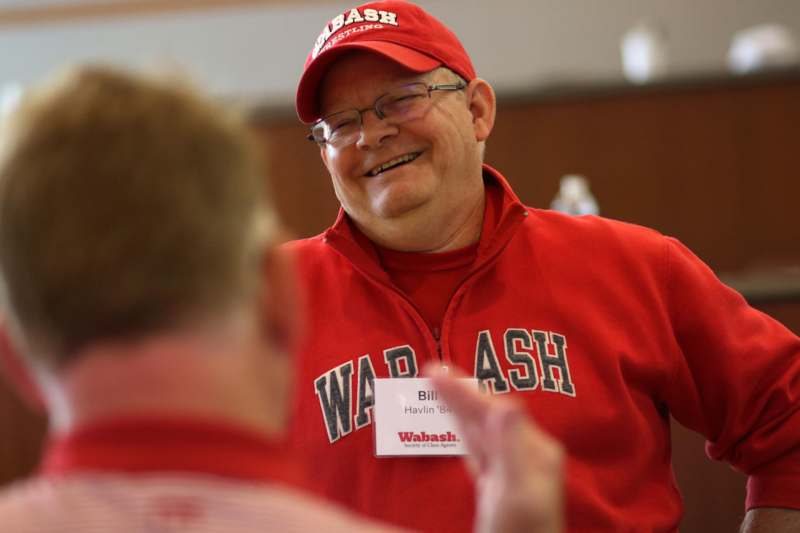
{"x":257,"y":52}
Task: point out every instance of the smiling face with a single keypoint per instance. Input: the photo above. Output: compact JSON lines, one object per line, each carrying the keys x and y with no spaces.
{"x":415,"y":185}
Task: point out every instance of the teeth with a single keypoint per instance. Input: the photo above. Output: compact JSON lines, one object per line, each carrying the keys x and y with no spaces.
{"x":394,"y":162}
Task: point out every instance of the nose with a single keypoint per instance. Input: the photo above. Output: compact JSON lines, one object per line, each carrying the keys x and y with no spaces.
{"x":374,"y":131}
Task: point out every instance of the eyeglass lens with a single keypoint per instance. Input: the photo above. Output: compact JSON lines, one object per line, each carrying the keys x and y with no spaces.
{"x":399,"y":105}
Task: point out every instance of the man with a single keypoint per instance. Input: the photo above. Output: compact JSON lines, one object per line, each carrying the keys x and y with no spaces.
{"x":144,"y":291}
{"x":602,"y":329}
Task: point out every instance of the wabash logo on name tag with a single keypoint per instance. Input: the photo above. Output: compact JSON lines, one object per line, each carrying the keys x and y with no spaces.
{"x":411,"y":420}
{"x":410,"y":436}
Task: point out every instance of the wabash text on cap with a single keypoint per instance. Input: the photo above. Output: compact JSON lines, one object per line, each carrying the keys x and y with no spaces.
{"x":398,"y":30}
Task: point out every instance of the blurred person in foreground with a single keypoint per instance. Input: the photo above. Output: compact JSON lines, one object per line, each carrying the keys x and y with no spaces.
{"x":146,"y":299}
{"x":603,"y":329}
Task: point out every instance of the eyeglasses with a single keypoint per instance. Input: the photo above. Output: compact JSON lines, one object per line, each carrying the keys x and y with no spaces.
{"x":398,"y":105}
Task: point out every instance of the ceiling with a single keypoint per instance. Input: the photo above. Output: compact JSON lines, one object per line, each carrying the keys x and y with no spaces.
{"x":47,"y":11}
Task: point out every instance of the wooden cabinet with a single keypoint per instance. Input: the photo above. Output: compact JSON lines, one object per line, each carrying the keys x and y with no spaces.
{"x":713,"y":163}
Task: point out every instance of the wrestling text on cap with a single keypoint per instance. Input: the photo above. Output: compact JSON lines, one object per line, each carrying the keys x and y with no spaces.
{"x":398,"y":30}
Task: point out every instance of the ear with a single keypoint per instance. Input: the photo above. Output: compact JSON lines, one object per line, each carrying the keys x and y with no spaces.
{"x":482,"y":106}
{"x":17,"y":373}
{"x":279,"y":301}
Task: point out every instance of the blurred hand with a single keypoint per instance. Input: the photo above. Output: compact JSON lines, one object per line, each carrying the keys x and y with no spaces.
{"x":518,"y":469}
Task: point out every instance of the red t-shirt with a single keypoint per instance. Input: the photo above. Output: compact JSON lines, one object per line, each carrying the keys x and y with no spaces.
{"x":430,"y":279}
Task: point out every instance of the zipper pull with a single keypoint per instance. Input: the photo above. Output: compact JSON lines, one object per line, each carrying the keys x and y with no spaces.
{"x":438,"y":344}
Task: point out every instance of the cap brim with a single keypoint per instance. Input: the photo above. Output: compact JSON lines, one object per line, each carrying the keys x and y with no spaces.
{"x":307,"y":98}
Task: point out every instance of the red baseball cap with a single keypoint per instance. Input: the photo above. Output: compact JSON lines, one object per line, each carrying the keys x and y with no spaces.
{"x":398,"y":30}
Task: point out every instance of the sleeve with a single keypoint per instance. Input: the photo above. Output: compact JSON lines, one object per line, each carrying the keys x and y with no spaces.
{"x":736,"y":380}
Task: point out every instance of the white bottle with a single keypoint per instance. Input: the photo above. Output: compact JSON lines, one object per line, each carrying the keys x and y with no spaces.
{"x":574,"y":197}
{"x":644,"y":52}
{"x":762,"y":47}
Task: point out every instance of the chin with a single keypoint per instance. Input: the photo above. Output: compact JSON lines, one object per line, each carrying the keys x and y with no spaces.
{"x":399,"y":200}
{"x":397,"y":207}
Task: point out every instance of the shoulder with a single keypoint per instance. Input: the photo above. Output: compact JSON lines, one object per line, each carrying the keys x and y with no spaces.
{"x":155,"y":502}
{"x":311,"y":253}
{"x":307,"y":245}
{"x":595,"y":234}
{"x":596,"y":225}
{"x":314,"y":256}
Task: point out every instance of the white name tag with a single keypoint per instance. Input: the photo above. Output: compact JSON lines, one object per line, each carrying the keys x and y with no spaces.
{"x":411,"y":420}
